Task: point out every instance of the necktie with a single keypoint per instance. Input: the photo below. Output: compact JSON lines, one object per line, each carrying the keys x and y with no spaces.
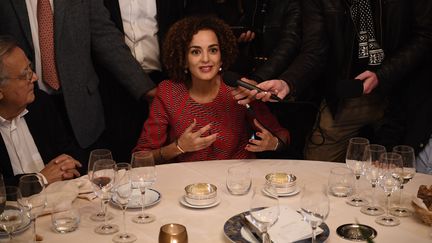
{"x":46,"y":42}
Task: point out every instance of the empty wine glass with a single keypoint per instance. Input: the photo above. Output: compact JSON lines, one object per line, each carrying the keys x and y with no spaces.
{"x":264,"y":209}
{"x":95,"y":155}
{"x":408,"y":170}
{"x":11,"y":214}
{"x":143,"y":176}
{"x":389,"y":182}
{"x":122,"y":194}
{"x":33,"y":198}
{"x":315,"y":207}
{"x":373,"y":171}
{"x":355,"y":160}
{"x":103,"y":177}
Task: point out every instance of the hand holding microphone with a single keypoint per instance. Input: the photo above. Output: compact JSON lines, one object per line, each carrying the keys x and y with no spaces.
{"x":232,"y":79}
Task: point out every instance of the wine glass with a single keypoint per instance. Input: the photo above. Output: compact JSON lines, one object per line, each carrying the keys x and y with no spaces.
{"x":10,"y":212}
{"x":264,"y":209}
{"x":96,"y":155}
{"x":33,"y":198}
{"x":355,"y":160}
{"x":315,"y":207}
{"x":389,"y":182}
{"x":143,"y":176}
{"x":122,"y":194}
{"x":408,"y":170}
{"x":103,"y":177}
{"x":373,"y":171}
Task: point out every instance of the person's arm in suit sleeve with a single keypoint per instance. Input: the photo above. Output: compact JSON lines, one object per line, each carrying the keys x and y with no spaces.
{"x":109,"y":48}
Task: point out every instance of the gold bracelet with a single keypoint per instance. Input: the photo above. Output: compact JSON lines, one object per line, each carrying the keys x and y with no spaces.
{"x":178,"y":147}
{"x":277,"y":145}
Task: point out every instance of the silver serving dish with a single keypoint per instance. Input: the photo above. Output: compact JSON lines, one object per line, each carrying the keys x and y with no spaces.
{"x":283,"y":182}
{"x":200,"y":193}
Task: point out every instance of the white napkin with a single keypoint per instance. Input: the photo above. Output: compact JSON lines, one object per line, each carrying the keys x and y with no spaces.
{"x":60,"y":195}
{"x":290,"y":227}
{"x":420,"y":203}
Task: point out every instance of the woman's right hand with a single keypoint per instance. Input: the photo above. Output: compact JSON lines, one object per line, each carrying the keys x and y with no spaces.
{"x":193,"y":141}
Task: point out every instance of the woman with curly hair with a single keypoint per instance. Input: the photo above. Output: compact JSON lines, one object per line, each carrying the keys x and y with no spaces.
{"x":193,"y":116}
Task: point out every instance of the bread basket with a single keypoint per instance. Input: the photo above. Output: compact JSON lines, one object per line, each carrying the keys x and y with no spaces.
{"x":424,"y":214}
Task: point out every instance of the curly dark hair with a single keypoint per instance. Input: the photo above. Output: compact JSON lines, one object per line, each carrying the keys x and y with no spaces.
{"x":179,"y":36}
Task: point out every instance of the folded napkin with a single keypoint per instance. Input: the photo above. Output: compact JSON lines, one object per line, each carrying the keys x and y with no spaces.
{"x":60,"y":195}
{"x":290,"y":227}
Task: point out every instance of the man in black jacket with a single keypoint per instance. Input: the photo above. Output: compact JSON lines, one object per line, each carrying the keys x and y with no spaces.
{"x":375,"y":46}
{"x":33,"y":139}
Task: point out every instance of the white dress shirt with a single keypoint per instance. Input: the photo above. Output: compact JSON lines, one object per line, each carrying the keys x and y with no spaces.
{"x":32,"y":14}
{"x":140,"y":27}
{"x":22,"y":150}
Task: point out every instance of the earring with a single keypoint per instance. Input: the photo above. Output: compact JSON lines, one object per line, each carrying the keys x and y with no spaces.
{"x":220,"y":69}
{"x":186,"y":71}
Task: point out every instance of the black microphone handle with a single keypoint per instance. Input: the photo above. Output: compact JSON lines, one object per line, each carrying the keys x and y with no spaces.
{"x":253,"y":87}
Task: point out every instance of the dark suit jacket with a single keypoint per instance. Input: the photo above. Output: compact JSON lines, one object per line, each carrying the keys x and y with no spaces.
{"x":83,"y":32}
{"x":48,"y":133}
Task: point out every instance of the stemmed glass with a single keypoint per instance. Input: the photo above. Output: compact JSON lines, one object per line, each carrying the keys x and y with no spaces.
{"x":33,"y":198}
{"x":122,"y":194}
{"x":96,"y":155}
{"x":264,"y":209}
{"x":10,"y":212}
{"x":373,"y":171}
{"x":143,"y":176}
{"x":355,"y":160}
{"x":408,"y":170}
{"x":389,"y":182}
{"x":315,"y":207}
{"x":103,"y":177}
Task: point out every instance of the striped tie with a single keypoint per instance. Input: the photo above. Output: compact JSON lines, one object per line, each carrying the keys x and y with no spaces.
{"x":46,"y":42}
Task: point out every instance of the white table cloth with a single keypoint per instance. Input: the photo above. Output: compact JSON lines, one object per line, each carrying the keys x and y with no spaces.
{"x":206,"y":225}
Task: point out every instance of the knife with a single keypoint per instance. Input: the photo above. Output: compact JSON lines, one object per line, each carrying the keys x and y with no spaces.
{"x":256,"y":233}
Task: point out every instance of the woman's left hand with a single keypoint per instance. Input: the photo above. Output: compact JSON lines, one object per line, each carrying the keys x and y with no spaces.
{"x":267,"y":142}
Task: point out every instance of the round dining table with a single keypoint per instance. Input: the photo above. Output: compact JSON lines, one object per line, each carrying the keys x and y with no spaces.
{"x":207,"y":224}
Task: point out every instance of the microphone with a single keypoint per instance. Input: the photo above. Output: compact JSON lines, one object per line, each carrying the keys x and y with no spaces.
{"x":232,"y":79}
{"x":349,"y":88}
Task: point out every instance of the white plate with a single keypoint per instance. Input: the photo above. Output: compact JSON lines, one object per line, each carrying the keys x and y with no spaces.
{"x":186,"y":204}
{"x":289,"y":194}
{"x":152,"y":197}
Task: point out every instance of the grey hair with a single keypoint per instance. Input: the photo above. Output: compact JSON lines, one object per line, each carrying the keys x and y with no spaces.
{"x":7,"y":44}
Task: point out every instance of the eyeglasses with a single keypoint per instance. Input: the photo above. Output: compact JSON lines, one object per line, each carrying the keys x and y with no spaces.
{"x":28,"y":75}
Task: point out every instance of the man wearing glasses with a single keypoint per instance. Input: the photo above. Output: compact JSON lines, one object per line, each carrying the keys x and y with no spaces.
{"x":33,"y":140}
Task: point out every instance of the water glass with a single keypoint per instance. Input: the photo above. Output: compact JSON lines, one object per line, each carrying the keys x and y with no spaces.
{"x":389,"y":182}
{"x":33,"y":197}
{"x":315,"y":207}
{"x":264,"y":209}
{"x":407,"y":171}
{"x":341,"y":182}
{"x":373,"y":172}
{"x":355,"y":160}
{"x":65,"y":219}
{"x":238,"y":180}
{"x":143,"y":177}
{"x":170,"y":233}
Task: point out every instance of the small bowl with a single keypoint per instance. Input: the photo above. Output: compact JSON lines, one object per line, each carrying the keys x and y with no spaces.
{"x":200,"y":194}
{"x":283,"y":182}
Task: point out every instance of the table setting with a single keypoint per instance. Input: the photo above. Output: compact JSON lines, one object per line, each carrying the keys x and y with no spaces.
{"x":228,"y":215}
